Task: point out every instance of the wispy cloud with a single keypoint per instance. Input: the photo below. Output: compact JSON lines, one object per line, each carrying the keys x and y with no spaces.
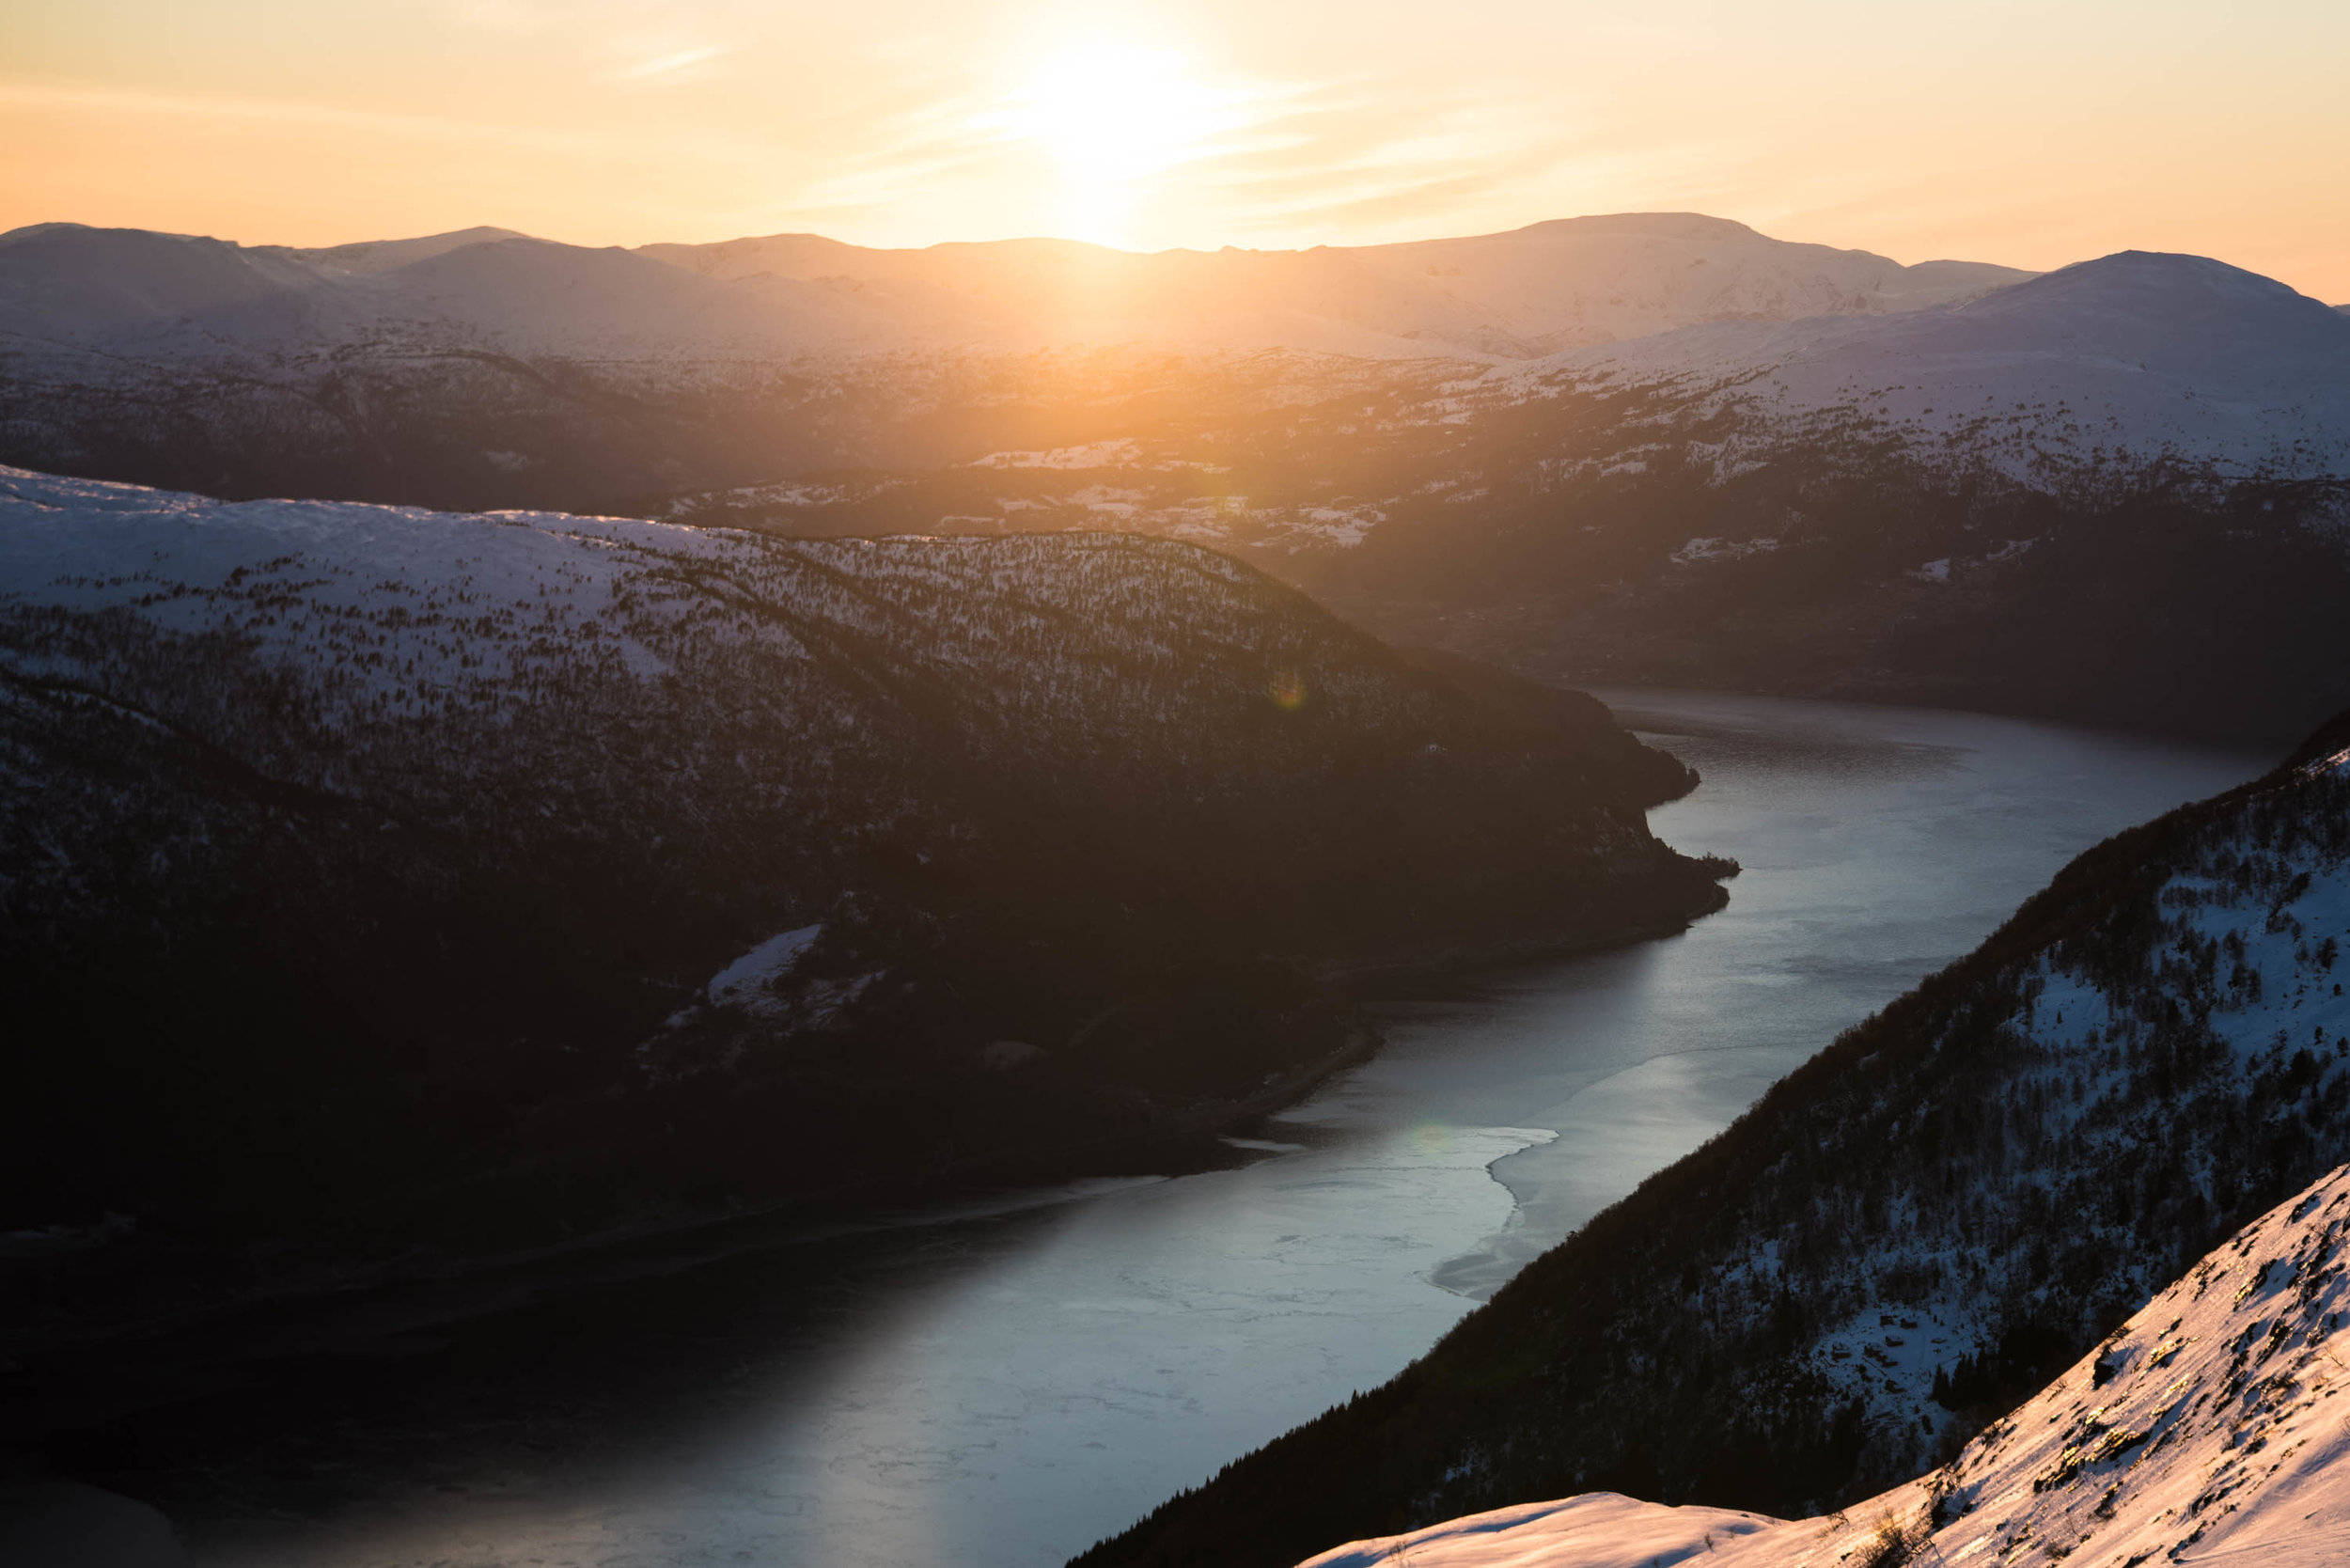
{"x":671,"y":67}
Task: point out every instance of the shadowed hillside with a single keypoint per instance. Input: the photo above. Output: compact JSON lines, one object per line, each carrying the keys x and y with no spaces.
{"x":375,"y":873}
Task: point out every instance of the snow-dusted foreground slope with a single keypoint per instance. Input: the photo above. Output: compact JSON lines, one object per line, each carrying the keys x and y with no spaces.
{"x":2208,"y":1428}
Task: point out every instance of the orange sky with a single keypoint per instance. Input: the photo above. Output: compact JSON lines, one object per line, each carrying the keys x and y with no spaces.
{"x":2028,"y":133}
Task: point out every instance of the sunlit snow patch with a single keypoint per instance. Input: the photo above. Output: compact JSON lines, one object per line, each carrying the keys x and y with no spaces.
{"x":1598,"y":1529}
{"x":2206,"y":1429}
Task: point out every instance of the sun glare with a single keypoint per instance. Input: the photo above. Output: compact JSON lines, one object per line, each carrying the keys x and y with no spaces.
{"x":1111,"y":115}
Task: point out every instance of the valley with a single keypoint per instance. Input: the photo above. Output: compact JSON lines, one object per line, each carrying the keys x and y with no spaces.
{"x":862,"y":1386}
{"x":2004,"y":1162}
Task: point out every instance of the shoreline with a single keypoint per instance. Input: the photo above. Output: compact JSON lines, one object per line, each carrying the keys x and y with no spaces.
{"x":1075,"y":1160}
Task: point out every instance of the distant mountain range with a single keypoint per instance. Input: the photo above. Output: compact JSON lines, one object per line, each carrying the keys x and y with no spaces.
{"x":484,"y":367}
{"x":1647,"y":447}
{"x":2119,"y":493}
{"x":1531,"y":291}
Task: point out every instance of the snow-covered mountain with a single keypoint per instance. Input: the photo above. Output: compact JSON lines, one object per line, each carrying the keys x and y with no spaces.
{"x":509,"y":873}
{"x":2202,"y":1430}
{"x":1916,"y":1230}
{"x":2126,"y":359}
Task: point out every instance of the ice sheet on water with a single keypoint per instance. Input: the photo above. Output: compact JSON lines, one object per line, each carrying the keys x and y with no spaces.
{"x":746,"y":981}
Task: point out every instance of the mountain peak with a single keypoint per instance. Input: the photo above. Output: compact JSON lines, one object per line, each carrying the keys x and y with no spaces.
{"x":2164,"y":310}
{"x":2145,"y":276}
{"x":378,"y":256}
{"x":1677,"y":226}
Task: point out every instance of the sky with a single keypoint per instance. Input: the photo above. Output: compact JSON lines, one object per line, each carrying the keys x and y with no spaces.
{"x":2031,"y":134}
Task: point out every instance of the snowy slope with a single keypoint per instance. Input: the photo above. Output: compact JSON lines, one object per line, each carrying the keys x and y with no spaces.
{"x":396,"y":611}
{"x":2207,"y":1429}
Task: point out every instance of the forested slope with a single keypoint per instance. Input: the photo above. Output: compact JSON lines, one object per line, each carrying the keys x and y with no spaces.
{"x":483,"y":879}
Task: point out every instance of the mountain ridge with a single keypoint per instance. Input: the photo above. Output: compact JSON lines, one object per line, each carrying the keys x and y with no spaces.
{"x":1368,"y":291}
{"x":1505,"y":293}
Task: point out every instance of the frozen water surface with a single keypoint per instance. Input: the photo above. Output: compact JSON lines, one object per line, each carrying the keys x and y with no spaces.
{"x":1002,"y":1383}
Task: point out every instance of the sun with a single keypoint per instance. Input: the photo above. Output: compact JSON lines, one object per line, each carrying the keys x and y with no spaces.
{"x":1116,"y":111}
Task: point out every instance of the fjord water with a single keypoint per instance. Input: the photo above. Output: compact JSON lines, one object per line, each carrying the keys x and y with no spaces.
{"x":1003,"y":1381}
